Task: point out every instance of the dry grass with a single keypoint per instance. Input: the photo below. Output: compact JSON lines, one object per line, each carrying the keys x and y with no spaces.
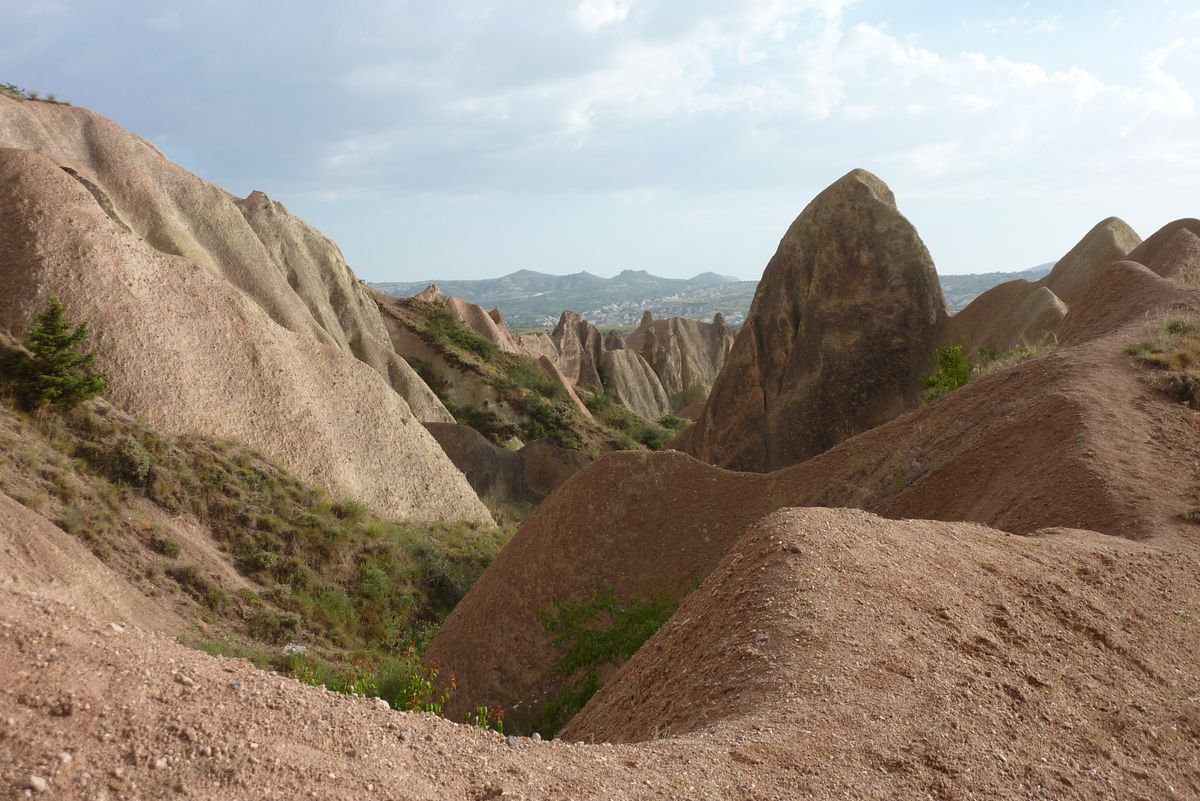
{"x":1022,"y":353}
{"x":1173,"y":350}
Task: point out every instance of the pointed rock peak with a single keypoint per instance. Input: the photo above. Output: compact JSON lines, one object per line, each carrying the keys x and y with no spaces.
{"x":647,"y":318}
{"x":719,"y":320}
{"x":1108,"y":241}
{"x":613,"y":341}
{"x":497,"y":316}
{"x":859,"y":180}
{"x":431,"y":294}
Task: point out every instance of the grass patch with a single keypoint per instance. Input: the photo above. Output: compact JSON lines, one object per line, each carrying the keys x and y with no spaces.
{"x":602,"y":631}
{"x":361,"y":592}
{"x":1173,"y":351}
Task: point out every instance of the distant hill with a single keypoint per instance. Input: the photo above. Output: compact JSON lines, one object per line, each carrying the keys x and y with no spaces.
{"x":535,"y":300}
{"x":960,"y":290}
{"x":531,"y":299}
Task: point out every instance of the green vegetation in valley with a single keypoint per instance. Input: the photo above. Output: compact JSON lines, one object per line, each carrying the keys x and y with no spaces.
{"x":953,"y":371}
{"x":360,"y":593}
{"x":632,"y":431}
{"x":529,"y":403}
{"x":589,"y":636}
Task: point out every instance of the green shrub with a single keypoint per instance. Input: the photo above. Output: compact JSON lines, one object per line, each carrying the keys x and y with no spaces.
{"x":55,"y":372}
{"x":653,"y":437}
{"x":445,"y":327}
{"x":407,"y":684}
{"x":672,"y":422}
{"x":131,"y":461}
{"x":590,"y":635}
{"x":197,"y":585}
{"x":162,"y":544}
{"x":953,"y":371}
{"x":273,"y":626}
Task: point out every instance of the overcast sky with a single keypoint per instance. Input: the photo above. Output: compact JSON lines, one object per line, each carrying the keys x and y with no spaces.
{"x":453,"y":139}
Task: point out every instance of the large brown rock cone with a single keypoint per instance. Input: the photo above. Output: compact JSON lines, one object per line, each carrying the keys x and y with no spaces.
{"x":838,"y":337}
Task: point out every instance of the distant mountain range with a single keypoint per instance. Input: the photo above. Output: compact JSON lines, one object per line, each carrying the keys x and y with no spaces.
{"x":531,"y":299}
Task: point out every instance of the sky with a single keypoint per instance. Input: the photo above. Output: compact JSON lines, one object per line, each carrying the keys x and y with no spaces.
{"x":453,"y":139}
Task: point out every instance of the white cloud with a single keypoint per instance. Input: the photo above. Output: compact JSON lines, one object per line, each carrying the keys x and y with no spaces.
{"x":596,"y":14}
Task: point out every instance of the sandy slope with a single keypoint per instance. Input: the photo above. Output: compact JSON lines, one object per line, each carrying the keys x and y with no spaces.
{"x":188,"y":351}
{"x":1077,"y":438}
{"x":832,"y":654}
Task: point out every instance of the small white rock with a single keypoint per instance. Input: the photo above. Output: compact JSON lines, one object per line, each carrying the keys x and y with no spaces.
{"x":38,"y":784}
{"x":382,"y":703}
{"x":64,"y":757}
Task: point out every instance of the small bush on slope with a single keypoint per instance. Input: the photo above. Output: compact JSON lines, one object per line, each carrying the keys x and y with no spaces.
{"x":953,"y":371}
{"x":956,"y":371}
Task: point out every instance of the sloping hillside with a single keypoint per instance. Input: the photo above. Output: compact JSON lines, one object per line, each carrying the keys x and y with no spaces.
{"x":1075,"y":438}
{"x":198,"y":326}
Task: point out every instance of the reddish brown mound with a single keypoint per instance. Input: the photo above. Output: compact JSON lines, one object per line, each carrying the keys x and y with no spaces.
{"x":642,"y":522}
{"x":923,"y":660}
{"x":1075,"y":438}
{"x":139,"y":716}
{"x":1109,"y":240}
{"x":1125,"y":292}
{"x":899,"y":658}
{"x":1159,"y":250}
{"x":1008,"y":315}
{"x":1021,"y":313}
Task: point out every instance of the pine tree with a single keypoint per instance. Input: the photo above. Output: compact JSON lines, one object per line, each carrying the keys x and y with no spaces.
{"x":55,"y":372}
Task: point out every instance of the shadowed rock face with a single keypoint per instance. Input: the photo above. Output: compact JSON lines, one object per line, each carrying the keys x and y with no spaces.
{"x":627,"y":375}
{"x":685,"y":354}
{"x":524,"y":476}
{"x":579,"y":346}
{"x":837,"y":339}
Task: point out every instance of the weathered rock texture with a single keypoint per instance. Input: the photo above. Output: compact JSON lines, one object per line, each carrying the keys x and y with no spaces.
{"x":685,"y":354}
{"x":1006,"y":316}
{"x":296,"y":275}
{"x":1173,"y":252}
{"x":626,"y":375}
{"x":215,"y":341}
{"x":579,"y":345}
{"x":840,"y":333}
